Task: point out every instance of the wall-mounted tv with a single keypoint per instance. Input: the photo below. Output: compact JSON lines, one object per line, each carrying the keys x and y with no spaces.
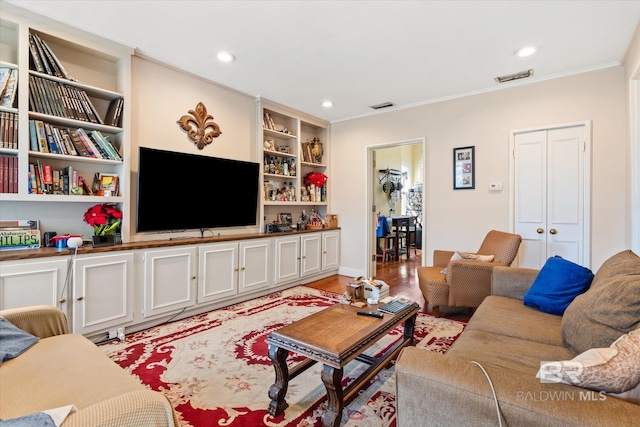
{"x":180,"y":191}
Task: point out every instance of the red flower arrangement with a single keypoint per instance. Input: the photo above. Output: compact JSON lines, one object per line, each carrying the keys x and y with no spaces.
{"x":316,"y":178}
{"x":105,"y":218}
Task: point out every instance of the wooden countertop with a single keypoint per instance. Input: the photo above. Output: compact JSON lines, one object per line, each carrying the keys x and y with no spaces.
{"x":18,"y":254}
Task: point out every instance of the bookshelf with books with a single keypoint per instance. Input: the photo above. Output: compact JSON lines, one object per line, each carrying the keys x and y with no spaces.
{"x":70,"y":117}
{"x":286,"y":166}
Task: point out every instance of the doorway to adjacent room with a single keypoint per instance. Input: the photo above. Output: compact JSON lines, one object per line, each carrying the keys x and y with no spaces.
{"x":396,"y":189}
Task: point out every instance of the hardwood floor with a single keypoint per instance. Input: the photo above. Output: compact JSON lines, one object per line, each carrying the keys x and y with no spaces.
{"x":402,"y":279}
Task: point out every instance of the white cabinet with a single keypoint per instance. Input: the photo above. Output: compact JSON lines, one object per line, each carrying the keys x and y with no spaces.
{"x":227,"y":269}
{"x":310,"y":254}
{"x":102,"y":291}
{"x":42,"y":282}
{"x":330,"y":250}
{"x":306,"y":255}
{"x":287,"y":259}
{"x":169,"y":279}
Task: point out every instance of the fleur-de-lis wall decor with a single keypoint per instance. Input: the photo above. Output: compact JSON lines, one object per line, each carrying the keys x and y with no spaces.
{"x":196,"y":126}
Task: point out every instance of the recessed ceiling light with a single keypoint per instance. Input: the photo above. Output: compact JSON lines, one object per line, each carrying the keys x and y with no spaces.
{"x":526,"y":51}
{"x":327,"y":104}
{"x":226,"y":57}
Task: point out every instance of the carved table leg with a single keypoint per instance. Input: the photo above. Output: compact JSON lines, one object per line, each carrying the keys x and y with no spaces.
{"x":332,"y":379}
{"x":278,"y":390}
{"x":409,"y":326}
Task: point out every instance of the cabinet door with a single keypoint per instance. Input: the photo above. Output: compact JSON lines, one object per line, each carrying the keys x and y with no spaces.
{"x":218,"y":271}
{"x":330,"y":250}
{"x":311,"y":258}
{"x":24,"y":284}
{"x":102,"y":292}
{"x":287,"y":255}
{"x":254,"y":257}
{"x":169,"y":278}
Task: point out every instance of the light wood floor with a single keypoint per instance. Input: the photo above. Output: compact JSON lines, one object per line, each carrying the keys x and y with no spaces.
{"x":402,"y":279}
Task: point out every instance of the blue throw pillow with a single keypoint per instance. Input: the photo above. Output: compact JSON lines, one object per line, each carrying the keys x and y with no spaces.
{"x":557,"y":284}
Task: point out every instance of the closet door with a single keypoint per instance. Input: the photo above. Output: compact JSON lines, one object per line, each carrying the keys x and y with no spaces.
{"x":551,"y":195}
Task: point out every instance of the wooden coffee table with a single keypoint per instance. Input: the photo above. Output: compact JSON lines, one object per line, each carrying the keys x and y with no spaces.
{"x":334,"y":336}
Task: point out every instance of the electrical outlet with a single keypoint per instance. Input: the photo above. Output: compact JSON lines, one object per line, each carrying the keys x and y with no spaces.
{"x":121,"y":334}
{"x":112,"y":334}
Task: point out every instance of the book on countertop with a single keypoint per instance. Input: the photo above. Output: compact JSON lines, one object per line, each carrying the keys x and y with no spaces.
{"x":19,"y":239}
{"x":32,"y":224}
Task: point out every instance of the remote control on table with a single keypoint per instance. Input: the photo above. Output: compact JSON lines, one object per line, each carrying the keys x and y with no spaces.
{"x":371,"y":314}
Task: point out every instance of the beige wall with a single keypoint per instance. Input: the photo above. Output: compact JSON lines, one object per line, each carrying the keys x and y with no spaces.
{"x":460,"y":219}
{"x":160,"y":96}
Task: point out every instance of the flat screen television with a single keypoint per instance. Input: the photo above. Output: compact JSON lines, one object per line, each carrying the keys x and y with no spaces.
{"x":180,"y":191}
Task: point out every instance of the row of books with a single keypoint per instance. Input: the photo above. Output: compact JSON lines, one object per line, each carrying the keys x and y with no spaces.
{"x":308,"y":154}
{"x":45,"y":137}
{"x":267,"y":121}
{"x":8,"y":174}
{"x":8,"y":130}
{"x":44,"y":179}
{"x":62,"y":100}
{"x":44,"y":60}
{"x":8,"y":86}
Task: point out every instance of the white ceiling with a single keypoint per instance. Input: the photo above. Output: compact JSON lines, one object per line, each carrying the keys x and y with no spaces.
{"x":361,"y":53}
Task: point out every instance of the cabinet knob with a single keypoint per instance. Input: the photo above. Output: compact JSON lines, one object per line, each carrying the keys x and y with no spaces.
{"x":553,"y":231}
{"x":540,"y":230}
{"x":62,"y":301}
{"x":236,"y":269}
{"x":242,"y":268}
{"x":193,"y":277}
{"x":80,"y":298}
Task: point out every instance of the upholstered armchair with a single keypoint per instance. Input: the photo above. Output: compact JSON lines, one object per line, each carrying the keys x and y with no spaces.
{"x":465,"y":280}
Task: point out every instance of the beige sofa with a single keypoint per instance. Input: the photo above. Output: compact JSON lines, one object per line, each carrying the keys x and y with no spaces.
{"x":509,"y":340}
{"x":67,"y":369}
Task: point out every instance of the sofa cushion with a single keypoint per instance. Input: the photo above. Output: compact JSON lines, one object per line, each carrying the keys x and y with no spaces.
{"x":557,"y":284}
{"x":615,"y":369}
{"x":58,"y":371}
{"x":507,"y":316}
{"x":14,"y":340}
{"x":514,"y":354}
{"x":609,"y":309}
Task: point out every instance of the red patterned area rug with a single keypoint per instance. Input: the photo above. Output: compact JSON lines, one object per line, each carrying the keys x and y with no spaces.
{"x":215,"y":369}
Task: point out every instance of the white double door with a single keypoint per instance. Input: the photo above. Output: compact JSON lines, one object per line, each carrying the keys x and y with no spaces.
{"x":551,"y":194}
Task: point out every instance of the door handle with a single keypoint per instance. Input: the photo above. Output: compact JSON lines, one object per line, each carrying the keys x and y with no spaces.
{"x":540,"y":230}
{"x":553,"y":231}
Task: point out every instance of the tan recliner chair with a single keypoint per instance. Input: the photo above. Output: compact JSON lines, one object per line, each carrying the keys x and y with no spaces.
{"x":466,"y":282}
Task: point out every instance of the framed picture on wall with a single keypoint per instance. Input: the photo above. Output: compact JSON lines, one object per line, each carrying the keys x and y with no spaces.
{"x":464,"y":168}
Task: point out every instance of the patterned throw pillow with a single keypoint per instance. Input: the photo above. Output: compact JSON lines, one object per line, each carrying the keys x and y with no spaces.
{"x":613,"y":370}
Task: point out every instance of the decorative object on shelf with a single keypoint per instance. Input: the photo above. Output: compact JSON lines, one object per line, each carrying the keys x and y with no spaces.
{"x":315,"y":182}
{"x":269,"y":144}
{"x":463,"y":168}
{"x":106,"y":219}
{"x":197,"y":124}
{"x":317,"y":150}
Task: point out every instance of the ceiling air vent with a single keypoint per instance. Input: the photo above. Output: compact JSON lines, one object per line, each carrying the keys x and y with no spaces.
{"x":516,"y":76}
{"x":383,"y":105}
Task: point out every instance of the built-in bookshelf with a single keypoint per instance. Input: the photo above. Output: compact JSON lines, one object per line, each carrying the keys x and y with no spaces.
{"x":294,"y":148}
{"x":69,"y":118}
